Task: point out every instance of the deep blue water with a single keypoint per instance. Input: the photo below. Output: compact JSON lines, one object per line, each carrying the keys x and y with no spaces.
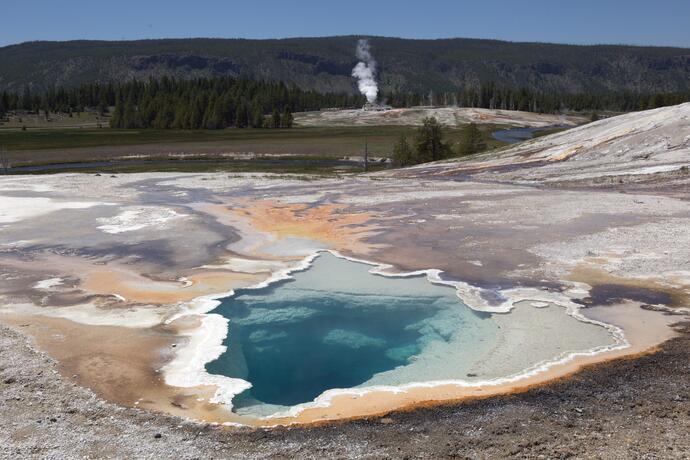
{"x":333,"y":326}
{"x":514,"y":135}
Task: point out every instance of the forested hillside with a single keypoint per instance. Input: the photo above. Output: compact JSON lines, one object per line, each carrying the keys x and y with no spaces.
{"x":324,"y":64}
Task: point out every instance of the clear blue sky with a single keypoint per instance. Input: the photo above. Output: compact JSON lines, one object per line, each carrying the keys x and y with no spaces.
{"x":647,"y":22}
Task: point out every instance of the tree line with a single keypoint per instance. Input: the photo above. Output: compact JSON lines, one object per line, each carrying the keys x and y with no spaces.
{"x":209,"y":103}
{"x":491,"y":96}
{"x":217,"y":103}
{"x":220,"y":102}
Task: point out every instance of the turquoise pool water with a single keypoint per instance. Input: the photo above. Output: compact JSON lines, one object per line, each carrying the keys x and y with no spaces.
{"x":335,"y":325}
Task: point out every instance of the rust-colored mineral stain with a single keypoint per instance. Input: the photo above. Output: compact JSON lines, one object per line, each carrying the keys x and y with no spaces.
{"x":119,"y":364}
{"x":137,"y":288}
{"x":106,"y":279}
{"x":328,"y":223}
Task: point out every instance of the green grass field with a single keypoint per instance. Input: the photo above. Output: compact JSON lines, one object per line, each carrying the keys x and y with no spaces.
{"x":380,"y":139}
{"x":71,"y":145}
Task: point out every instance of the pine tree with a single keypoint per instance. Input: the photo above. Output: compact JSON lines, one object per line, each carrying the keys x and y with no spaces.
{"x":402,"y":152}
{"x":129,"y":115}
{"x":275,"y":119}
{"x":181,"y":120}
{"x":116,"y":121}
{"x":430,"y":145}
{"x":257,"y":117}
{"x":472,"y":140}
{"x":241,"y":120}
{"x":196,"y":118}
{"x":287,"y":119}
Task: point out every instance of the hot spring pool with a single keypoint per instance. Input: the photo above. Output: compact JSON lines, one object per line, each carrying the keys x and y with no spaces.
{"x":335,"y":325}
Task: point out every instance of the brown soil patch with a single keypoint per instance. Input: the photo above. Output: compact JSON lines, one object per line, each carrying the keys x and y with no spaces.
{"x":679,"y":297}
{"x":119,"y":364}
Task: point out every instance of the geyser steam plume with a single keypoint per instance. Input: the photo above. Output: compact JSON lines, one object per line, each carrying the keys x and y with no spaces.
{"x":365,"y":71}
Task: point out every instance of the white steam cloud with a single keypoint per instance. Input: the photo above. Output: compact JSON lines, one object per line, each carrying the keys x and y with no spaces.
{"x":365,"y":72}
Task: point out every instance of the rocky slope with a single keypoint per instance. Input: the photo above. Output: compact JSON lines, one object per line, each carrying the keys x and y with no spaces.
{"x":650,"y":147}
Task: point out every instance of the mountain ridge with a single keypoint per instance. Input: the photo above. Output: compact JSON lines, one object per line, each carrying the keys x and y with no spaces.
{"x":325,"y":63}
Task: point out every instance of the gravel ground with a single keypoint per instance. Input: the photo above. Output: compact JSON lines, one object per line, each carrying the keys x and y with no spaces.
{"x":624,"y":409}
